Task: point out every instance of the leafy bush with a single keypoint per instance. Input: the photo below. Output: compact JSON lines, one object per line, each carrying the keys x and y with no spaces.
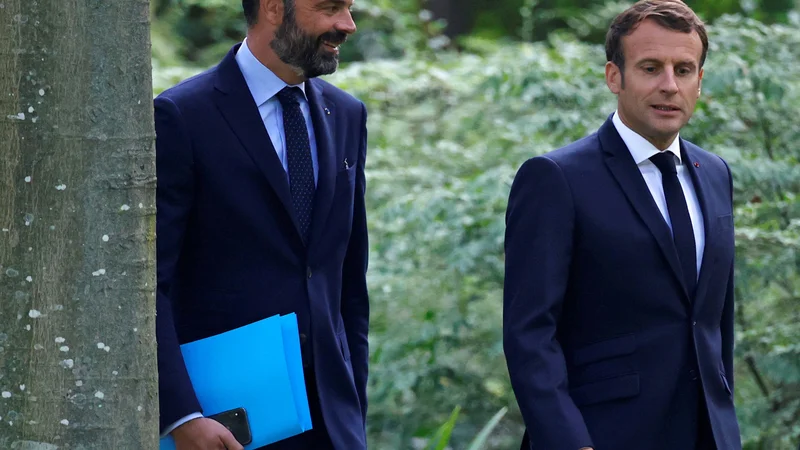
{"x":200,"y":32}
{"x":447,"y":136}
{"x":447,"y":133}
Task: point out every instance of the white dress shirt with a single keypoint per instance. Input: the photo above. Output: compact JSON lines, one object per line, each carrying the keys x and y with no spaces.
{"x":264,"y":85}
{"x":642,"y":150}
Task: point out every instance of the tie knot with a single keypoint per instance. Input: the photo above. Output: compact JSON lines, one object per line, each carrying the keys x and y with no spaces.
{"x":288,"y":96}
{"x":665,"y":161}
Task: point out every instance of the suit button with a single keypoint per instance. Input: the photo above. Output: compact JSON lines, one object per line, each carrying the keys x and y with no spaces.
{"x":693,"y":374}
{"x":694,"y":324}
{"x":303,"y":338}
{"x":308,"y":272}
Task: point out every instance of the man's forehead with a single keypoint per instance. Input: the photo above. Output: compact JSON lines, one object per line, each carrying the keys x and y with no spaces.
{"x":663,"y":51}
{"x":650,"y":30}
{"x":660,"y":43}
{"x":343,"y":2}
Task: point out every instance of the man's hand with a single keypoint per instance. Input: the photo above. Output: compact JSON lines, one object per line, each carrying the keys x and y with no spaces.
{"x":204,"y":434}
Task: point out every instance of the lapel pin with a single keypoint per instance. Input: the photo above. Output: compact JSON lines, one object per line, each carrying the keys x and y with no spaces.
{"x":697,"y":164}
{"x":327,"y":111}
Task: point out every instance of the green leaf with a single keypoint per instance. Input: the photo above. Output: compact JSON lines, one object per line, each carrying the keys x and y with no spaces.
{"x":480,"y":439}
{"x":442,"y":437}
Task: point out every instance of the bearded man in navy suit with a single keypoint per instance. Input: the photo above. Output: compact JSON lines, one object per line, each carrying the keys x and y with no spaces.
{"x":618,"y":299}
{"x":261,"y":212}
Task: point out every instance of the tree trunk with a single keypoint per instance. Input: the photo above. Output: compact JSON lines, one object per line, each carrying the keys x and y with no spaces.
{"x":77,"y":226}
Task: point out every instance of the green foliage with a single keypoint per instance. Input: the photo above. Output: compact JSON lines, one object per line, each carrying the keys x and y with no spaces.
{"x":483,"y":436}
{"x":440,"y":440}
{"x":200,"y":32}
{"x":589,"y":19}
{"x":447,"y":136}
{"x":447,"y":133}
{"x":392,"y":29}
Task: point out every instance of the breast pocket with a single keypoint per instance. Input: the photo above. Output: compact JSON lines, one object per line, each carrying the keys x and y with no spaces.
{"x":340,"y":220}
{"x":725,"y":225}
{"x":720,"y":246}
{"x":345,"y":189}
{"x":346,"y":178}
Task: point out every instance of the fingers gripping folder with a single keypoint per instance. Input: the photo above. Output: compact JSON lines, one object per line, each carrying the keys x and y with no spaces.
{"x":257,"y":371}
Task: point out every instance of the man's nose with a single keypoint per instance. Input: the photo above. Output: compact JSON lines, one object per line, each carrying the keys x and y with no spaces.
{"x":669,"y":85}
{"x":346,"y":24}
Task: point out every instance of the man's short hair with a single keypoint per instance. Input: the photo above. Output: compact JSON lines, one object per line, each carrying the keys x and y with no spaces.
{"x":250,"y":8}
{"x":670,"y":14}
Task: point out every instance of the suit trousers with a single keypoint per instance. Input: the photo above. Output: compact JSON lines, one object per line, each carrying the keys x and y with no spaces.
{"x":315,"y":439}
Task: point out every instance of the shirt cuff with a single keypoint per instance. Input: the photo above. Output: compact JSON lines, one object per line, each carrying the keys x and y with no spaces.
{"x":180,"y":422}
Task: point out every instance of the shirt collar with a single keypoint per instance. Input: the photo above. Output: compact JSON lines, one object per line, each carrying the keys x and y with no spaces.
{"x":262,"y":82}
{"x":641,"y":149}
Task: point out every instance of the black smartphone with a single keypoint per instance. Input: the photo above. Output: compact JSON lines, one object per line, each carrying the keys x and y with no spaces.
{"x":235,"y":420}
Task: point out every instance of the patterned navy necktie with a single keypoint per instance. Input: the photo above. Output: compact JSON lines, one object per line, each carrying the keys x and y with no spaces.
{"x":298,"y":152}
{"x":682,"y":231}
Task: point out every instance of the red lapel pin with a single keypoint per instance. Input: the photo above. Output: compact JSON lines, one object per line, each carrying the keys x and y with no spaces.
{"x":697,"y":164}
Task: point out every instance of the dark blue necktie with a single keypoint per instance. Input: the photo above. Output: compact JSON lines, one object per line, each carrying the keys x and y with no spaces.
{"x":298,"y":153}
{"x":682,"y":231}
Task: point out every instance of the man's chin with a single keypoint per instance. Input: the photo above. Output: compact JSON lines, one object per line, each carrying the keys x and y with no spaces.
{"x":667,"y":127}
{"x":317,"y":73}
{"x":328,"y":59}
{"x":322,"y":69}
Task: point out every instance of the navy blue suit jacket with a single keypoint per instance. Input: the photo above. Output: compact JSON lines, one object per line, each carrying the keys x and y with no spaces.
{"x":604,"y":346}
{"x":229,"y":249}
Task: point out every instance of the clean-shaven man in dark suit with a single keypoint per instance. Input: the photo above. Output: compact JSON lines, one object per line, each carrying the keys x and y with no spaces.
{"x":618,"y":302}
{"x":261,"y":212}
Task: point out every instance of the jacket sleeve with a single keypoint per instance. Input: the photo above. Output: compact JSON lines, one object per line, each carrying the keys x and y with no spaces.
{"x":174,"y":199}
{"x":355,"y":298}
{"x":539,"y":227}
{"x":727,"y":321}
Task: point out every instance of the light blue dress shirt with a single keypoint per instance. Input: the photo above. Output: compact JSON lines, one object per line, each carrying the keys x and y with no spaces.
{"x":264,"y":85}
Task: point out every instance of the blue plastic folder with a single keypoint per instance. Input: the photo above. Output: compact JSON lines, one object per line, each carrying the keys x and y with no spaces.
{"x":257,"y":367}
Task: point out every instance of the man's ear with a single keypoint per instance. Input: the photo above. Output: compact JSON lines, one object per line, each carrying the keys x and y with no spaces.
{"x":613,"y":77}
{"x":272,"y":11}
{"x":700,"y":83}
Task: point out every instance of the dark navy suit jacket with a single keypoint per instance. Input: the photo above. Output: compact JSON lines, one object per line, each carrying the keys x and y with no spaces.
{"x":604,"y":346}
{"x":229,"y":249}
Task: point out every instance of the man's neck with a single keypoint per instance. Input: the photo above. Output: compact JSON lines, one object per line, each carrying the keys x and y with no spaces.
{"x":661,"y":144}
{"x":261,"y":49}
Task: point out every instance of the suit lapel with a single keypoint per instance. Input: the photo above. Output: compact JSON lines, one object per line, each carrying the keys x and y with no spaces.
{"x":623,"y":168}
{"x":241,"y":112}
{"x":701,"y":187}
{"x":324,"y":118}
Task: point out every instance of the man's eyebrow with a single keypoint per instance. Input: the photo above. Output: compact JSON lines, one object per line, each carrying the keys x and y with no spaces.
{"x":648,"y":61}
{"x":684,"y":62}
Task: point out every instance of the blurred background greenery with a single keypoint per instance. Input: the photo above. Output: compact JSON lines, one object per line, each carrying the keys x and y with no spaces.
{"x":460,"y":93}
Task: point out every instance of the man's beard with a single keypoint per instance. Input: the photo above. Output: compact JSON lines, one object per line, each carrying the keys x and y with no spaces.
{"x":302,"y":51}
